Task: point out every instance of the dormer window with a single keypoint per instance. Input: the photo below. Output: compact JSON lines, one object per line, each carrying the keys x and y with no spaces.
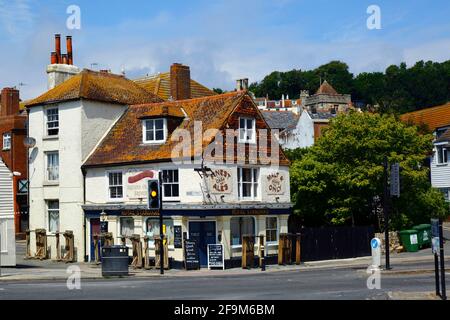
{"x":247,"y":130}
{"x":442,"y":155}
{"x":154,"y":130}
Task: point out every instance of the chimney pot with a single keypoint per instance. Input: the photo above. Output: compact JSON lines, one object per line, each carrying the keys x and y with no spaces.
{"x":242,"y":84}
{"x":69,"y":50}
{"x":58,"y":48}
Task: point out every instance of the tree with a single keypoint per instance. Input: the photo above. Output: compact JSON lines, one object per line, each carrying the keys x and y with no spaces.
{"x":339,"y":180}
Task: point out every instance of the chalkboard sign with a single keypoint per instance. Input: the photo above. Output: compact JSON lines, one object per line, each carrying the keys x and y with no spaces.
{"x":191,"y":255}
{"x":215,"y":256}
{"x":178,"y":240}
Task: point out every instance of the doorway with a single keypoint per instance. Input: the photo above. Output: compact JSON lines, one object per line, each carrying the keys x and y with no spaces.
{"x":204,"y":232}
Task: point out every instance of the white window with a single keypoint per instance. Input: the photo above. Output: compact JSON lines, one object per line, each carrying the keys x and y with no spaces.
{"x":171,"y":184}
{"x":52,"y":122}
{"x":248,"y":179}
{"x":53,"y":215}
{"x":241,"y":226}
{"x":247,"y":130}
{"x":442,"y":154}
{"x":4,"y":236}
{"x":126,"y":227}
{"x":154,"y":130}
{"x":115,"y":185}
{"x":271,"y":229}
{"x":52,"y":166}
{"x":7,"y":141}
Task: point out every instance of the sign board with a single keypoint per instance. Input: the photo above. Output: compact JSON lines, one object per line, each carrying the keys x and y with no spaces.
{"x":375,"y":244}
{"x":177,"y":237}
{"x":276,"y":183}
{"x":221,"y":181}
{"x":191,"y":255}
{"x":395,"y":180}
{"x":435,"y":240}
{"x":413,"y":239}
{"x":215,"y":256}
{"x":137,"y":182}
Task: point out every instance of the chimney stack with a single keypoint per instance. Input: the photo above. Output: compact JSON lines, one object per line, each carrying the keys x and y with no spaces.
{"x":58,"y":48}
{"x":9,"y":102}
{"x":69,"y":50}
{"x":180,"y":81}
{"x":242,"y":84}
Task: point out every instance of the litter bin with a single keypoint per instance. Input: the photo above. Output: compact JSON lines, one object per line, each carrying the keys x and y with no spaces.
{"x":115,"y":261}
{"x":423,"y":235}
{"x":409,"y":240}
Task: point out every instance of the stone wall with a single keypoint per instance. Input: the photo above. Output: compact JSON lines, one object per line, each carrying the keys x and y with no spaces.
{"x":394,"y":241}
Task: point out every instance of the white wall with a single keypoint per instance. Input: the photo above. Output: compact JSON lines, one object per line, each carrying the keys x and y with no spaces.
{"x":7,"y":235}
{"x":190,"y":189}
{"x":440,"y":173}
{"x":81,"y":125}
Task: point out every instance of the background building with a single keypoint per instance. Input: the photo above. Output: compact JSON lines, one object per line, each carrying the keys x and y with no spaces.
{"x":7,"y":234}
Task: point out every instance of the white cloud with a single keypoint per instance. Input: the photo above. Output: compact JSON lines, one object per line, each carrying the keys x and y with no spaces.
{"x":16,"y":17}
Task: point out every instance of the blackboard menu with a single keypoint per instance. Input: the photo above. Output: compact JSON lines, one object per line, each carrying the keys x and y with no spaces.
{"x":215,"y":256}
{"x":178,"y":240}
{"x":191,"y":255}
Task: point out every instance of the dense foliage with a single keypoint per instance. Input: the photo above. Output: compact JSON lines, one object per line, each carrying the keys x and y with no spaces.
{"x":399,"y":89}
{"x":339,"y":180}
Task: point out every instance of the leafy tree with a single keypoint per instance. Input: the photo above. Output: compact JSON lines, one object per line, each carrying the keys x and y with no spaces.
{"x":340,"y":179}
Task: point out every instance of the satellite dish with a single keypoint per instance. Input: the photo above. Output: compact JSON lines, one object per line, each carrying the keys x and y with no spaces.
{"x":29,"y":142}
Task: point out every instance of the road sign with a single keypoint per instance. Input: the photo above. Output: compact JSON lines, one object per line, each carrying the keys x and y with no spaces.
{"x":395,"y":180}
{"x":375,"y":244}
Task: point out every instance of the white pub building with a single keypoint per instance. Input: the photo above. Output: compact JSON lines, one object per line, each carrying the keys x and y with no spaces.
{"x":99,"y":137}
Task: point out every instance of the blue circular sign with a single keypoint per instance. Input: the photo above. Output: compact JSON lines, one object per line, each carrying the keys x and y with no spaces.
{"x":374,"y":243}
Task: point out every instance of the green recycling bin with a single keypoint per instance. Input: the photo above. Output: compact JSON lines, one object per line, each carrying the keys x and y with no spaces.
{"x":423,"y":235}
{"x":409,"y":240}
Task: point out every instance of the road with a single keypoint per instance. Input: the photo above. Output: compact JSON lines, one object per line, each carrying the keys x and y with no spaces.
{"x":338,"y":284}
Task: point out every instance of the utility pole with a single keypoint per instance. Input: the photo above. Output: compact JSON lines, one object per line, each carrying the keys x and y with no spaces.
{"x":161,"y":223}
{"x":386,"y":212}
{"x":441,"y":245}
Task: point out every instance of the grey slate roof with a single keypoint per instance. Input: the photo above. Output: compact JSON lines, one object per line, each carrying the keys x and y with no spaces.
{"x":322,"y":115}
{"x":280,"y":119}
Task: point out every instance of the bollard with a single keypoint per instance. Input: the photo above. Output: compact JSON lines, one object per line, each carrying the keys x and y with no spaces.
{"x":262,"y":259}
{"x":165,"y":247}
{"x":58,"y":247}
{"x":28,"y":241}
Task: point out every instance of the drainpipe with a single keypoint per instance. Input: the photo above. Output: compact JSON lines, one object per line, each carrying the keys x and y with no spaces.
{"x":84,"y":216}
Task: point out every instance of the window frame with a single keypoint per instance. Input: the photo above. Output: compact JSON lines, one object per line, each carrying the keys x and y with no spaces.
{"x":442,"y":154}
{"x":254,"y":182}
{"x":234,"y":246}
{"x":47,"y":204}
{"x":164,"y":197}
{"x":47,"y":171}
{"x":276,"y":229}
{"x":165,"y":219}
{"x":9,"y":140}
{"x":144,"y":131}
{"x":108,"y":172}
{"x":47,"y":134}
{"x":246,"y":130}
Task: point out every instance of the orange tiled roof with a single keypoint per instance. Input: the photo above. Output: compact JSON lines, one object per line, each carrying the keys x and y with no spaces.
{"x":98,"y":86}
{"x":159,"y":85}
{"x":326,"y":88}
{"x":123,"y":144}
{"x":434,"y":117}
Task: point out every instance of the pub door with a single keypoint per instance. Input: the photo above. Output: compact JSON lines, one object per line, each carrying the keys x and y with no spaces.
{"x":204,"y":232}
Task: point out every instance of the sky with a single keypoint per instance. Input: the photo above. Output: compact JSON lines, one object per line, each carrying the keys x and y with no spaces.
{"x":221,"y":41}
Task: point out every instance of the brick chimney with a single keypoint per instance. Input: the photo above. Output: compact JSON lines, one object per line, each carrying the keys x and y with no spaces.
{"x":61,"y":66}
{"x":9,"y":102}
{"x":180,"y":82}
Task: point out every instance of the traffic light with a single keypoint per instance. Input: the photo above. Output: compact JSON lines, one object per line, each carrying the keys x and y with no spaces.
{"x":153,"y":195}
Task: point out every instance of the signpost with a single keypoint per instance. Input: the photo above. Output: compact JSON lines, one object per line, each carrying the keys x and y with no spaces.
{"x":437,"y":245}
{"x":191,"y":255}
{"x":215,"y":256}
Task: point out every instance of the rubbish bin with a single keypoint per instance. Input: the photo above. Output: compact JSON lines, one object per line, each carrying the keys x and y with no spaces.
{"x":115,"y":261}
{"x":423,"y":235}
{"x":409,"y":240}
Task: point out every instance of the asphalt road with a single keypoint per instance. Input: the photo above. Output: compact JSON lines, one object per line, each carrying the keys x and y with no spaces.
{"x":337,"y":284}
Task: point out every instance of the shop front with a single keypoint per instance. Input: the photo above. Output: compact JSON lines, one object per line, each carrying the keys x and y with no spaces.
{"x":224,"y":226}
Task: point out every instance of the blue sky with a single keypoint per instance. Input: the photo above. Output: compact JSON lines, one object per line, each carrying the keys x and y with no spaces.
{"x":220,"y":40}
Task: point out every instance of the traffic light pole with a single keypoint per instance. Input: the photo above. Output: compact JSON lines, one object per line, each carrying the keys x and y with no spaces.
{"x":161,"y":231}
